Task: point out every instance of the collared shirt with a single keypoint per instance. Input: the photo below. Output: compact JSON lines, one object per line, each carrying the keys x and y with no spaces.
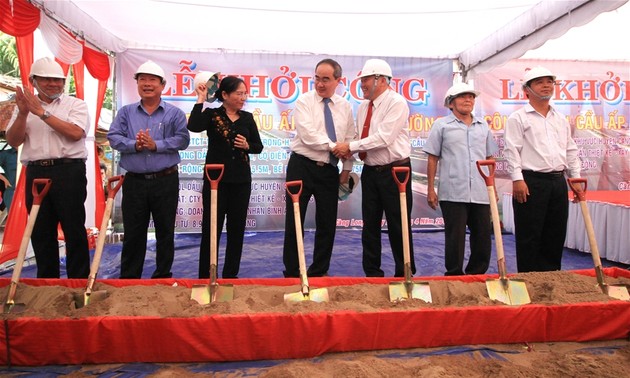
{"x":43,"y":142}
{"x":538,"y":143}
{"x":167,"y":126}
{"x":311,"y":139}
{"x":459,"y":147}
{"x":388,"y":139}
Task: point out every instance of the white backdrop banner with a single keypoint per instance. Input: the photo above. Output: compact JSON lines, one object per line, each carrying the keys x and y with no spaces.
{"x":275,"y":81}
{"x":595,"y":98}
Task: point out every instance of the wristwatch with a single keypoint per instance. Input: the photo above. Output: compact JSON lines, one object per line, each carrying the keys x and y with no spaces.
{"x":45,"y":115}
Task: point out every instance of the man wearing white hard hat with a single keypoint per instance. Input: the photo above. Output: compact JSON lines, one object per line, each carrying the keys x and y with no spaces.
{"x":540,"y":151}
{"x":456,"y":142}
{"x":51,"y":128}
{"x":148,"y":135}
{"x":384,"y":144}
{"x":322,"y":118}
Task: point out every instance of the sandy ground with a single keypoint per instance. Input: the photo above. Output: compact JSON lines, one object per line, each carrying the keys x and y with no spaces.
{"x":597,"y":359}
{"x":47,"y":302}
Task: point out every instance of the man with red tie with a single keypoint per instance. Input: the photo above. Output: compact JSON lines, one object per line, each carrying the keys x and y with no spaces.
{"x":384,"y":144}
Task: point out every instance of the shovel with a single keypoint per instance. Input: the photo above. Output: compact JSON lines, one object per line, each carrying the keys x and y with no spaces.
{"x":508,"y":291}
{"x":306,"y":293}
{"x":89,"y":295}
{"x":618,"y":291}
{"x":38,"y":197}
{"x":406,"y":289}
{"x":213,"y":292}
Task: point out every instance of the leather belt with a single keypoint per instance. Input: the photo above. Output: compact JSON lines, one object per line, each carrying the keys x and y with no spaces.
{"x":381,"y":168}
{"x":549,"y":175}
{"x":53,"y":162}
{"x":318,"y":163}
{"x":154,"y":175}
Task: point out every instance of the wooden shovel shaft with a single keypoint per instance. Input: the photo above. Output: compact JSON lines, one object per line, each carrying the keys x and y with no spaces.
{"x":214,"y":190}
{"x":496,"y":226}
{"x":38,"y":197}
{"x":295,"y":198}
{"x":102,"y":232}
{"x":574,"y":184}
{"x":404,"y":221}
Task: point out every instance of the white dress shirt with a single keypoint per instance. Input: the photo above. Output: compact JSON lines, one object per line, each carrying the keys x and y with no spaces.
{"x":43,"y":142}
{"x":538,"y":143}
{"x":388,"y":138}
{"x":311,"y":139}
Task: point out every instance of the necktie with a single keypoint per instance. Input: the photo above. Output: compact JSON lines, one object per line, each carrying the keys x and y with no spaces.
{"x":366,"y":128}
{"x":330,"y":128}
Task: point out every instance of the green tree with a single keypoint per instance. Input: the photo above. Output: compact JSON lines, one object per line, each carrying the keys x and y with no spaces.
{"x":9,"y":63}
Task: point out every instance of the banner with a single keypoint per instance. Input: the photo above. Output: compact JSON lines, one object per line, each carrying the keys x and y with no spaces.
{"x":274,"y":82}
{"x":595,"y":98}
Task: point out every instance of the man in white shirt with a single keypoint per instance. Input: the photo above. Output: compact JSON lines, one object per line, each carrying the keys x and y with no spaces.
{"x":312,"y":162}
{"x":384,"y":144}
{"x":539,"y":151}
{"x":51,"y":128}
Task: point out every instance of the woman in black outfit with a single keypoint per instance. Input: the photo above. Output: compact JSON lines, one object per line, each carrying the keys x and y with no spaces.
{"x":232,"y":136}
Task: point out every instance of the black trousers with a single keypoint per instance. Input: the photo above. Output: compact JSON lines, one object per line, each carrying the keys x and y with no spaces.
{"x":320,"y":181}
{"x":541,"y":223}
{"x":380,"y":194}
{"x":64,"y":204}
{"x":232,"y":202}
{"x":458,"y":215}
{"x":142,"y":200}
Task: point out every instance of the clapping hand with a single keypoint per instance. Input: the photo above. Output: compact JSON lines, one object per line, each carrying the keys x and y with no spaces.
{"x":144,"y":141}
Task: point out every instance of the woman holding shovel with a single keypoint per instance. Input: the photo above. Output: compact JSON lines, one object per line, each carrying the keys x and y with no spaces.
{"x":232,"y":136}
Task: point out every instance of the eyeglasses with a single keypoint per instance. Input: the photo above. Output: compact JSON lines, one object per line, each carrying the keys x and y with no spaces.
{"x":241,"y":94}
{"x":44,"y":79}
{"x":323,"y":80}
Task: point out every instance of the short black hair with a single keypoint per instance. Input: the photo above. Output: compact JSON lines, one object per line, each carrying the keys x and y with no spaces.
{"x":228,"y":85}
{"x":337,"y":71}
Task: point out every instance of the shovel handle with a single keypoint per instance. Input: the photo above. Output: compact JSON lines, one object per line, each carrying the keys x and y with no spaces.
{"x":401,"y":184}
{"x":114,"y":189}
{"x":214,"y":184}
{"x":576,"y":184}
{"x":491,"y":164}
{"x":494,"y":213}
{"x":38,"y":195}
{"x":295,"y":197}
{"x":102,"y":231}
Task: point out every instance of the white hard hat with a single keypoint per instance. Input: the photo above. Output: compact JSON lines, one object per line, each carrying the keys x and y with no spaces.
{"x":349,"y":187}
{"x":376,"y":67}
{"x":151,"y":68}
{"x":535,"y":73}
{"x":211,"y":79}
{"x":456,"y":90}
{"x":47,"y":67}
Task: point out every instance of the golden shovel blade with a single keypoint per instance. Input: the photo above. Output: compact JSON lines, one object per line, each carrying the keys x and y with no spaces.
{"x":402,"y":290}
{"x":205,"y":294}
{"x":14,"y":308}
{"x":617,"y":291}
{"x":81,"y":300}
{"x":314,"y":295}
{"x":508,"y":291}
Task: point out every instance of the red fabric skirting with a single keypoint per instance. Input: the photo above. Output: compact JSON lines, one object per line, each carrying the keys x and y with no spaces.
{"x":615,"y":197}
{"x":106,"y":339}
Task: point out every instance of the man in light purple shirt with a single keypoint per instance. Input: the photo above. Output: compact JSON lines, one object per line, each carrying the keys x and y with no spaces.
{"x":149,"y":135}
